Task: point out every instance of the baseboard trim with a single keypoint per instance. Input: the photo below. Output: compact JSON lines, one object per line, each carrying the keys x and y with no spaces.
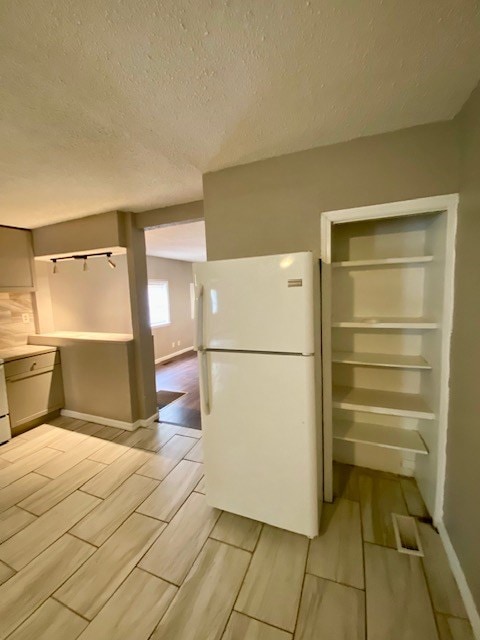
{"x":172,"y":355}
{"x":110,"y":422}
{"x":462,"y":583}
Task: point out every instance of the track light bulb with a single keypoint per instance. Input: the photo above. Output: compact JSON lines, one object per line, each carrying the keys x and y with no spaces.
{"x":85,"y":265}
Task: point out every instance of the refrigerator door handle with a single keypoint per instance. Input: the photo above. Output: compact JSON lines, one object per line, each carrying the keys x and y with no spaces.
{"x":204,"y":386}
{"x":198,"y":345}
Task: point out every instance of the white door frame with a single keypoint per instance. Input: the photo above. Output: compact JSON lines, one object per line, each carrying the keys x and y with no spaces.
{"x":446,"y":203}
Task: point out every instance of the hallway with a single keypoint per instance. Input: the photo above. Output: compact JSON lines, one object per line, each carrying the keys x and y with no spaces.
{"x":180,"y":374}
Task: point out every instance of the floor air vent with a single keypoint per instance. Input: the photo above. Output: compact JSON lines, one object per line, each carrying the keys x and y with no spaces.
{"x":406,"y":535}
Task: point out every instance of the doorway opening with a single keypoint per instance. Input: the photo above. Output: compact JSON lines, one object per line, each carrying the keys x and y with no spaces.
{"x":171,"y":251}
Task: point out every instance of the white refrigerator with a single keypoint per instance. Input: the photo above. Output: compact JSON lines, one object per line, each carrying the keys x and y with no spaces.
{"x":255,"y":342}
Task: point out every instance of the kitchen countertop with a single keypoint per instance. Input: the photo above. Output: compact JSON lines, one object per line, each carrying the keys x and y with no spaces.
{"x":23,"y":351}
{"x":87,"y":336}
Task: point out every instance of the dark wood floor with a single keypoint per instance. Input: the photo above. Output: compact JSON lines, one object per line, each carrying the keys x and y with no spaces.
{"x":180,"y":374}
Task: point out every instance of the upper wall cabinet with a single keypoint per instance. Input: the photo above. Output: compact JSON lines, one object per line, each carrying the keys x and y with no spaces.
{"x":16,"y":260}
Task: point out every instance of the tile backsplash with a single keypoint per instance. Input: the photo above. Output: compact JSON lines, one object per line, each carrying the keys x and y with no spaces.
{"x":13,"y":331}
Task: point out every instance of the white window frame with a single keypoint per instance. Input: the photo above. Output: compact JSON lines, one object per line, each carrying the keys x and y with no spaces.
{"x":164,"y":284}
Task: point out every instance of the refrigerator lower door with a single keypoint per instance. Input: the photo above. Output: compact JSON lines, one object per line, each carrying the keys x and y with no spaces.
{"x":259,"y":436}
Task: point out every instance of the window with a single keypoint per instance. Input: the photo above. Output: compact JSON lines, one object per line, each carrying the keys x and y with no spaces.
{"x":158,"y":303}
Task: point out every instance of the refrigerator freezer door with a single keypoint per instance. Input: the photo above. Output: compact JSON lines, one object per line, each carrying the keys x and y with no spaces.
{"x":259,"y":438}
{"x":256,"y":304}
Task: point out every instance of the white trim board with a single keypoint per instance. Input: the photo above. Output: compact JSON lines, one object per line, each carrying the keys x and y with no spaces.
{"x":462,"y":583}
{"x":110,"y":422}
{"x":173,"y":355}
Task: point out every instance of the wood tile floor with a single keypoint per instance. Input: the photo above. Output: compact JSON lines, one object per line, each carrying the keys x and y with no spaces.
{"x":106,"y":535}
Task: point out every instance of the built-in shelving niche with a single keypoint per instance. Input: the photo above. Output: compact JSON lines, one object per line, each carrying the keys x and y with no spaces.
{"x":384,"y":293}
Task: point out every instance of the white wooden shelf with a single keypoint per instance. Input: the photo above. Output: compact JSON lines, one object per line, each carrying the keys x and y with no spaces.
{"x":392,"y":403}
{"x":386,"y":323}
{"x":381,"y":262}
{"x":380,"y":360}
{"x":380,"y":436}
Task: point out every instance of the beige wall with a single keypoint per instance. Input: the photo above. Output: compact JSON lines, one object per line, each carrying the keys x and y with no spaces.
{"x":94,"y":300}
{"x":179,"y":276}
{"x":274,"y":206}
{"x":175,"y":214}
{"x":462,"y":503}
{"x":83,"y":234}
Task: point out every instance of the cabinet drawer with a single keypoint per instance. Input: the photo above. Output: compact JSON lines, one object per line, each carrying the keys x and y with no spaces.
{"x":35,"y":395}
{"x":31,"y":363}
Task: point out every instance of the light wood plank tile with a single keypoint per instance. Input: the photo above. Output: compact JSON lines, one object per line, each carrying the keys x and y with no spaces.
{"x":200,"y":488}
{"x":174,"y":552}
{"x":120,"y":620}
{"x":242,"y":627}
{"x":109,"y":433}
{"x":187,"y":431}
{"x":13,"y":520}
{"x":153,"y":439}
{"x":345,"y":482}
{"x":398,"y":604}
{"x":112,"y":450}
{"x":160,"y":465}
{"x":4,"y":463}
{"x":56,"y":490}
{"x":91,"y":428}
{"x":65,"y":439}
{"x":5,"y":573}
{"x":31,"y":434}
{"x":51,"y":621}
{"x":415,"y":505}
{"x":330,"y":610}
{"x":167,"y":499}
{"x":27,"y":447}
{"x":379,"y":498}
{"x":196,"y":453}
{"x":115,"y":474}
{"x":16,"y":441}
{"x":58,"y":421}
{"x":29,"y":588}
{"x":69,"y":459}
{"x":272,"y":587}
{"x":237,"y":530}
{"x":26,"y":465}
{"x":101,"y":522}
{"x":201,"y":608}
{"x":28,"y":543}
{"x":88,"y":590}
{"x":337,"y":552}
{"x":454,"y":628}
{"x":445,"y":594}
{"x":71,"y":424}
{"x":16,"y":492}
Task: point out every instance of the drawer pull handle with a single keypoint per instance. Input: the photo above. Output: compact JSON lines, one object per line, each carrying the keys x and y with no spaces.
{"x":33,"y":366}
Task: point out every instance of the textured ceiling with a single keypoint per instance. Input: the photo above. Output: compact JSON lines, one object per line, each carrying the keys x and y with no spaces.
{"x":178,"y":242}
{"x":124,"y":104}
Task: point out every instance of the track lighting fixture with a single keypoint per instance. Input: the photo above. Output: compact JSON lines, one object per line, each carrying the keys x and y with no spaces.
{"x":84,"y":257}
{"x":111,"y":263}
